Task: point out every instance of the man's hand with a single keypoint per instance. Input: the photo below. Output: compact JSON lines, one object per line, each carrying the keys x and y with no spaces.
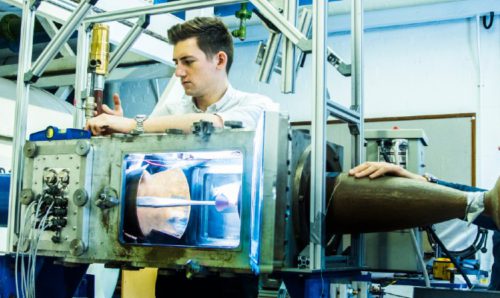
{"x":117,"y":110}
{"x":106,"y":124}
{"x":377,"y":169}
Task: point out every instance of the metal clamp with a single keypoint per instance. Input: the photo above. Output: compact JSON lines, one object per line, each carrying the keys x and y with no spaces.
{"x":203,"y":129}
{"x":107,"y":198}
{"x":233,"y":124}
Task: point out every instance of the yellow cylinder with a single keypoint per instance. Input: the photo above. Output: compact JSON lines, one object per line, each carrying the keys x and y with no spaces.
{"x":442,"y":268}
{"x":99,"y":49}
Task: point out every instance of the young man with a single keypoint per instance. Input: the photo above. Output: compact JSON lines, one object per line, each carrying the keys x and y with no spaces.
{"x":203,"y":54}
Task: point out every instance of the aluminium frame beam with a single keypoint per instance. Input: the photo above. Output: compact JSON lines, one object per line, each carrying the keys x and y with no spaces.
{"x":128,"y":41}
{"x":358,"y":129}
{"x":58,"y":41}
{"x":318,"y":139}
{"x":168,"y":7}
{"x":21,"y":119}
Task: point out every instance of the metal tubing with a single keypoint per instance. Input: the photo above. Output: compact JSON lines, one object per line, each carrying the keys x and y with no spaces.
{"x":62,"y":37}
{"x":341,"y":108}
{"x":344,"y":114}
{"x":318,"y":136}
{"x":156,"y":9}
{"x":81,"y":77}
{"x":357,"y":77}
{"x":51,"y":29}
{"x":420,"y":257}
{"x":21,"y":116}
{"x":269,"y":59}
{"x":358,"y":150}
{"x":284,"y":26}
{"x":288,"y":51}
{"x":127,"y":42}
{"x":305,"y":26}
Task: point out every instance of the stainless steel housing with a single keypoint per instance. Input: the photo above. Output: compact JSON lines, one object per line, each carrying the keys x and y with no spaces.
{"x":95,"y":167}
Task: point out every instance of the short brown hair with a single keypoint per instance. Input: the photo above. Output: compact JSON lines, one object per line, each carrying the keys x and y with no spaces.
{"x":211,"y":35}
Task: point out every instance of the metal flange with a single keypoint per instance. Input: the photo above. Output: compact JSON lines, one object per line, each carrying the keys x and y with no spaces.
{"x":77,"y":247}
{"x":30,"y":149}
{"x":82,"y":147}
{"x":27,"y":196}
{"x":80,"y":197}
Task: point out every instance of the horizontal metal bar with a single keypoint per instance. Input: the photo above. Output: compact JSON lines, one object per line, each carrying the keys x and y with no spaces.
{"x":122,"y":74}
{"x":156,"y":9}
{"x":343,"y":113}
{"x":66,"y":65}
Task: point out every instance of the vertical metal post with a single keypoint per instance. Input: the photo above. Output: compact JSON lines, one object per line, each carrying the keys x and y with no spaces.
{"x":358,"y":149}
{"x":81,"y":78}
{"x":288,"y":51}
{"x":317,"y":250}
{"x":22,"y":102}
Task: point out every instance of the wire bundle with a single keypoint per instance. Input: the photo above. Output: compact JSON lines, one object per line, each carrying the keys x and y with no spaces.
{"x":29,"y":236}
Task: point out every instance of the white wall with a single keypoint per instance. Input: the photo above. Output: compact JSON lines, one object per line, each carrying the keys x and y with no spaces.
{"x":415,"y":69}
{"x":44,"y":110}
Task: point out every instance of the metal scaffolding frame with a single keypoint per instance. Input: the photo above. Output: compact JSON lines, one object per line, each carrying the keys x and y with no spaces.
{"x":322,"y":107}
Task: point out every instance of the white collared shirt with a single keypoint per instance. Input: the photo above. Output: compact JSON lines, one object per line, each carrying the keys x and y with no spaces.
{"x":234,"y":105}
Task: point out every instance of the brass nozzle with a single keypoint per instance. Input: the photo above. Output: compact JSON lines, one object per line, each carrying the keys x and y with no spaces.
{"x":99,"y":49}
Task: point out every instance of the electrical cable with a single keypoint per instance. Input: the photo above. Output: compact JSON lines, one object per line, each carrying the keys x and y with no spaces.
{"x":41,"y":228}
{"x":30,"y":233}
{"x":451,"y":257}
{"x":490,"y":24}
{"x":31,"y":250}
{"x":479,"y":243}
{"x":20,"y":242}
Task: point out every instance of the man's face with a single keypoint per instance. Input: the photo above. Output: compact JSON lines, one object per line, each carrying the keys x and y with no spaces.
{"x":194,"y":68}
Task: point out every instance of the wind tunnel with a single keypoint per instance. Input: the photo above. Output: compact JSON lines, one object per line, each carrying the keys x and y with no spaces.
{"x":231,"y":200}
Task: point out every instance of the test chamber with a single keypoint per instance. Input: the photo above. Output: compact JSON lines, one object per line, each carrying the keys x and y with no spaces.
{"x":219,"y":202}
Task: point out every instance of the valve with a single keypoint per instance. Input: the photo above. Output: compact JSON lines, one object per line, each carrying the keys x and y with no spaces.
{"x":243,"y":14}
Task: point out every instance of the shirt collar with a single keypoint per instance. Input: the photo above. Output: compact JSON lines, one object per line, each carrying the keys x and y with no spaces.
{"x":215,"y":107}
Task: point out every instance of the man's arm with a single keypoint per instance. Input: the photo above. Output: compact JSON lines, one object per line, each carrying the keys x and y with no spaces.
{"x":106,"y":124}
{"x":377,"y":169}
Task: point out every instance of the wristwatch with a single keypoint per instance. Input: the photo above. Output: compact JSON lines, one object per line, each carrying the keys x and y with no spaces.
{"x":139,"y":126}
{"x":430,"y":178}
